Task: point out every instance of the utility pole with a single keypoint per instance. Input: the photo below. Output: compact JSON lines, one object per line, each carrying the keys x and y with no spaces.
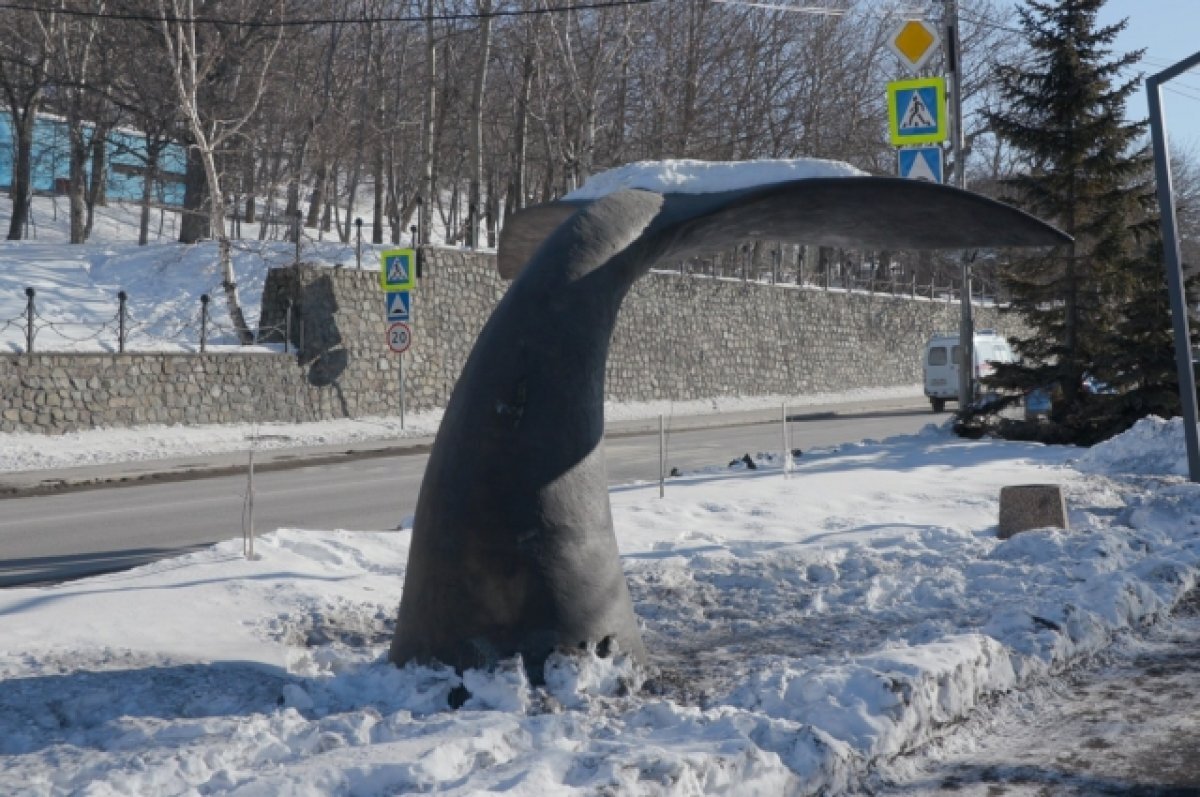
{"x":966,"y":324}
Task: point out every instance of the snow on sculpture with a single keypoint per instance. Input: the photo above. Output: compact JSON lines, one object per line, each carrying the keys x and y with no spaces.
{"x":513,"y":550}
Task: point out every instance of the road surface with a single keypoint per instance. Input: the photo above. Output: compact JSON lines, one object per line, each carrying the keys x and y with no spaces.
{"x":70,"y":534}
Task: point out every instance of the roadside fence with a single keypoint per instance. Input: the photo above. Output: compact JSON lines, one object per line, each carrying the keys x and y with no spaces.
{"x":196,"y":334}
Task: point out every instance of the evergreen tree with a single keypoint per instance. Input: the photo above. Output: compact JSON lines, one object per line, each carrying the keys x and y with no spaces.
{"x":1093,"y":307}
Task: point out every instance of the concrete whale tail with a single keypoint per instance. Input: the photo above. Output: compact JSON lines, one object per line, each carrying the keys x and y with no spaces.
{"x":513,"y":550}
{"x":845,"y":212}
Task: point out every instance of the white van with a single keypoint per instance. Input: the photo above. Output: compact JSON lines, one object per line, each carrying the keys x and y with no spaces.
{"x":941,"y":364}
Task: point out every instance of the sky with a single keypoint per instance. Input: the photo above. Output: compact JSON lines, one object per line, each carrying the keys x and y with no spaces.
{"x":809,"y":621}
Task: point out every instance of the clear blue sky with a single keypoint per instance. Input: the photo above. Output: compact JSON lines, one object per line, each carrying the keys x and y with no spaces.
{"x":1169,"y":31}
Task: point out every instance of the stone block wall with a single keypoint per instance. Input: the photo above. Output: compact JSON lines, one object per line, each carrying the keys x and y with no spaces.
{"x":685,"y":337}
{"x":677,"y":338}
{"x":56,"y":393}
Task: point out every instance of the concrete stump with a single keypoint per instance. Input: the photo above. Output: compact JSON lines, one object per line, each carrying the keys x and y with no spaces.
{"x":1031,"y":506}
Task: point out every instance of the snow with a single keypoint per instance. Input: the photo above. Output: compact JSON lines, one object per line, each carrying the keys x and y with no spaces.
{"x":76,"y":287}
{"x":805,"y":629}
{"x":696,"y":176}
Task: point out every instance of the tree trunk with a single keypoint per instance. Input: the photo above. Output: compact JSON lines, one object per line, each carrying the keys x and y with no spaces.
{"x":194,"y":226}
{"x":22,"y":182}
{"x":97,"y":195}
{"x":475,"y":195}
{"x":318,"y":195}
{"x":521,"y":138}
{"x":153,"y":149}
{"x":429,"y":133}
{"x":380,"y":195}
{"x":251,"y":213}
{"x":77,"y":152}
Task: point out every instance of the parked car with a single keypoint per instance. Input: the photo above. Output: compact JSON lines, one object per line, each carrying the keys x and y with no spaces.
{"x":942,"y":358}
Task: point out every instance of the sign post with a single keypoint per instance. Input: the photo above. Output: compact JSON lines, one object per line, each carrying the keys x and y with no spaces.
{"x":1184,"y":367}
{"x":397,"y":278}
{"x":399,"y":338}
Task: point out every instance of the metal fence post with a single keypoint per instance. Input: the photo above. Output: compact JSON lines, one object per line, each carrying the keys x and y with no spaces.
{"x":358,"y":243}
{"x":29,"y":293}
{"x":204,"y":300}
{"x":122,"y":316}
{"x":287,"y":327}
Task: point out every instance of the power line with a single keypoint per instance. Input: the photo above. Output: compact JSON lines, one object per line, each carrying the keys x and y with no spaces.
{"x":313,"y":21}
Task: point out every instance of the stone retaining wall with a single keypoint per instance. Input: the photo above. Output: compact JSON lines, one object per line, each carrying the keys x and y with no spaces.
{"x":677,"y":338}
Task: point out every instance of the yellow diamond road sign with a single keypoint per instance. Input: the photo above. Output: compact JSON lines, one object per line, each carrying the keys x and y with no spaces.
{"x":914,"y":42}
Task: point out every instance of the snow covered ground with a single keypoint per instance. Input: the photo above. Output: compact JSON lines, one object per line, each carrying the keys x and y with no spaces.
{"x":807,"y":631}
{"x":76,"y":287}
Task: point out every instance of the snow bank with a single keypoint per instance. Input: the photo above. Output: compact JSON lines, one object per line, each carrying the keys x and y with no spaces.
{"x":802,"y":631}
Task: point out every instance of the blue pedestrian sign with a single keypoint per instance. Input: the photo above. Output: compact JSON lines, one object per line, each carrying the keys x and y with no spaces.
{"x":399,"y":306}
{"x":920,"y":163}
{"x":917,"y":111}
{"x":397,"y":270}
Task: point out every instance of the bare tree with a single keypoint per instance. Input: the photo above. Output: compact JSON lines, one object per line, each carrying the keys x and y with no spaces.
{"x":75,"y":55}
{"x":195,"y":59}
{"x":27,"y":40}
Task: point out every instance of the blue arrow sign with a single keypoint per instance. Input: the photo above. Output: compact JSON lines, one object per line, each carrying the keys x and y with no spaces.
{"x":920,"y":163}
{"x":399,"y":306}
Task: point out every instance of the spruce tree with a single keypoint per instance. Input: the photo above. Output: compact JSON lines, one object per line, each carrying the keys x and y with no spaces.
{"x":1092,"y":307}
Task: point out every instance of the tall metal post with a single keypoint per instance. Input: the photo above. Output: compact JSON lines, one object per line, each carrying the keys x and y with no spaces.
{"x":401,"y":356}
{"x":29,"y":314}
{"x":787,"y":443}
{"x":248,"y":531}
{"x":203,"y":322}
{"x":662,"y":457}
{"x":1172,"y":261}
{"x":358,"y":243}
{"x":966,"y":324}
{"x":122,"y":317}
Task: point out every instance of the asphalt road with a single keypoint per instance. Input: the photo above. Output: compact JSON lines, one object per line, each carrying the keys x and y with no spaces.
{"x":72,"y":533}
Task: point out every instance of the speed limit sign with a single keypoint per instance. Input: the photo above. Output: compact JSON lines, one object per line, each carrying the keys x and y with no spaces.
{"x":399,"y":337}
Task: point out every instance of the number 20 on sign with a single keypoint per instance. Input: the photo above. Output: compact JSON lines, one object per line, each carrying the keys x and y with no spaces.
{"x":399,"y":337}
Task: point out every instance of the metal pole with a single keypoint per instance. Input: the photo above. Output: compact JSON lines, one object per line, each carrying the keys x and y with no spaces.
{"x":1172,"y":260}
{"x":966,"y":324}
{"x":358,"y":243}
{"x":662,"y":457}
{"x":121,"y":317}
{"x":287,"y":328}
{"x":248,"y":536}
{"x":401,"y":391}
{"x":203,"y":322}
{"x":29,"y":311}
{"x":787,"y":444}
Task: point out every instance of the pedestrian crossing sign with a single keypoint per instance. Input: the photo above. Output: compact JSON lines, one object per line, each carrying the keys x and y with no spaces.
{"x":917,"y":111}
{"x":397,"y":270}
{"x":920,"y":163}
{"x":399,"y":306}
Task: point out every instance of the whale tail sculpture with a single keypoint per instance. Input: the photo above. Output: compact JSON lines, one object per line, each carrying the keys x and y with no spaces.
{"x":513,"y":550}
